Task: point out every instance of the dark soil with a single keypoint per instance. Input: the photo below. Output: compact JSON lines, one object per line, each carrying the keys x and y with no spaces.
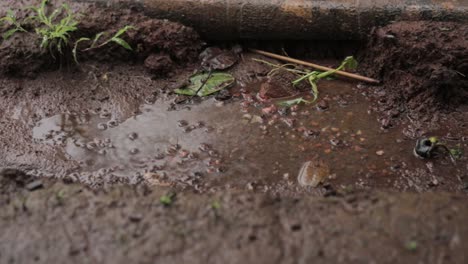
{"x":47,"y":217}
{"x":423,"y":67}
{"x":161,"y":44}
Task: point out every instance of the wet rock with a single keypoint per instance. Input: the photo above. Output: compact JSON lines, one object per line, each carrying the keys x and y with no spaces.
{"x":134,"y":151}
{"x":217,"y":59}
{"x":322,"y":105}
{"x":132,"y":136}
{"x":34,"y":185}
{"x":380,"y":152}
{"x":159,"y":63}
{"x":102,"y":126}
{"x":223,"y":95}
{"x":182,"y":123}
{"x":313,"y":173}
{"x":310,"y":133}
{"x":135,"y":217}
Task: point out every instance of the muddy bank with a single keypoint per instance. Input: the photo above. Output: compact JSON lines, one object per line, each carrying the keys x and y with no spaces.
{"x":89,"y":127}
{"x":424,"y":78}
{"x":160,"y":45}
{"x":68,"y":223}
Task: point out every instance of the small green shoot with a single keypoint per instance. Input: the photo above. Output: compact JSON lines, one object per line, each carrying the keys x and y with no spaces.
{"x":116,"y":38}
{"x":167,"y":199}
{"x":411,"y":245}
{"x":456,"y":152}
{"x":204,"y":84}
{"x":60,"y":196}
{"x":54,"y":32}
{"x":311,"y":76}
{"x":10,"y":18}
{"x":216,"y":205}
{"x":315,"y":76}
{"x":289,"y":103}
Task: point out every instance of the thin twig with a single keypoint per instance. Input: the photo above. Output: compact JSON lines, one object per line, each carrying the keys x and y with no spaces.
{"x":316,"y":66}
{"x":204,"y":82}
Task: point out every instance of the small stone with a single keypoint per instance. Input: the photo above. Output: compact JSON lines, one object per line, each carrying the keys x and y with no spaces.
{"x":133,"y":136}
{"x":35,"y":185}
{"x":380,"y":152}
{"x":135,"y":217}
{"x":322,"y":105}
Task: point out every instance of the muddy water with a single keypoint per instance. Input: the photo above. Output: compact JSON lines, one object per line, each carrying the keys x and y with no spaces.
{"x":243,"y":143}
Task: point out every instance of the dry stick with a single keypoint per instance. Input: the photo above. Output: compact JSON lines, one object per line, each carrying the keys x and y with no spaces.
{"x":316,"y":66}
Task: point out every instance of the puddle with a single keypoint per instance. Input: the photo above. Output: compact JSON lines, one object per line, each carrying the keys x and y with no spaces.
{"x":238,"y":143}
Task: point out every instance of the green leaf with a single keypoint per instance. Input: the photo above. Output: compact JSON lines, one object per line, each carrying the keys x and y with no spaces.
{"x":96,"y":38}
{"x":456,"y":152}
{"x":75,"y":48}
{"x":9,"y":33}
{"x":350,"y":63}
{"x":289,"y":103}
{"x":215,"y":83}
{"x":123,"y":30}
{"x":122,"y":43}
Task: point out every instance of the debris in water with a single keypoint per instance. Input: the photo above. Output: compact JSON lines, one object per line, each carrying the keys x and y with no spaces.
{"x":217,"y":59}
{"x":289,"y":103}
{"x":312,"y":173}
{"x":380,"y":152}
{"x":207,"y":84}
{"x":32,"y":186}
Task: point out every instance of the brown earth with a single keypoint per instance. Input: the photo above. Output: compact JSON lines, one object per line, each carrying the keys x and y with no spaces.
{"x":48,"y":220}
{"x":151,"y":38}
{"x":423,"y":67}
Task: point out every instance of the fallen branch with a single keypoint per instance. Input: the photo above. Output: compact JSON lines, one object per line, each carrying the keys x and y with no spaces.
{"x":316,"y":66}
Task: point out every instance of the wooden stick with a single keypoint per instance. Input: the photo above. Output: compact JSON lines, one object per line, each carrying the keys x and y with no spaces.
{"x":316,"y":66}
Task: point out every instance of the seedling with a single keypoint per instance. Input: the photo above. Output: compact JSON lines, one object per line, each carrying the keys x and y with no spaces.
{"x":312,"y":77}
{"x":94,"y":44}
{"x":10,"y":18}
{"x":54,"y":32}
{"x":315,"y":76}
{"x":456,"y":152}
{"x":216,"y":205}
{"x":411,"y":245}
{"x":167,"y":199}
{"x":289,"y":103}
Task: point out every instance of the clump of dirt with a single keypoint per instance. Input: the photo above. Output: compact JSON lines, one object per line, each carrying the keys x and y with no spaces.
{"x":423,"y":66}
{"x":279,"y":85}
{"x":162,"y":44}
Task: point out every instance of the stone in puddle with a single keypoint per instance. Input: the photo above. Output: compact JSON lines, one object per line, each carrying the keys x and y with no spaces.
{"x":34,"y":185}
{"x":313,"y":172}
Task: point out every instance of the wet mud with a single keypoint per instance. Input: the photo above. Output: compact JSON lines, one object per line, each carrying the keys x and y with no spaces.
{"x":424,"y":78}
{"x":248,"y":142}
{"x":112,"y":156}
{"x":162,"y":45}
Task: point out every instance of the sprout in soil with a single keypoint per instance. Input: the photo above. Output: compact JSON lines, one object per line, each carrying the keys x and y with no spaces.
{"x":312,"y":77}
{"x":53,"y":30}
{"x":167,"y":199}
{"x":116,"y":38}
{"x":10,"y":19}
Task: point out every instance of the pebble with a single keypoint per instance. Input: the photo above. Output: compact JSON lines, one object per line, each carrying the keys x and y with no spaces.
{"x":133,"y":136}
{"x":380,"y":153}
{"x":32,"y":186}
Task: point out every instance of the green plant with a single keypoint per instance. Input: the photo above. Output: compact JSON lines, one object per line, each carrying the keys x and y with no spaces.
{"x":115,"y":38}
{"x":11,"y":19}
{"x":167,"y":199}
{"x":315,"y":76}
{"x":289,"y":103}
{"x":311,"y":76}
{"x":54,"y":32}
